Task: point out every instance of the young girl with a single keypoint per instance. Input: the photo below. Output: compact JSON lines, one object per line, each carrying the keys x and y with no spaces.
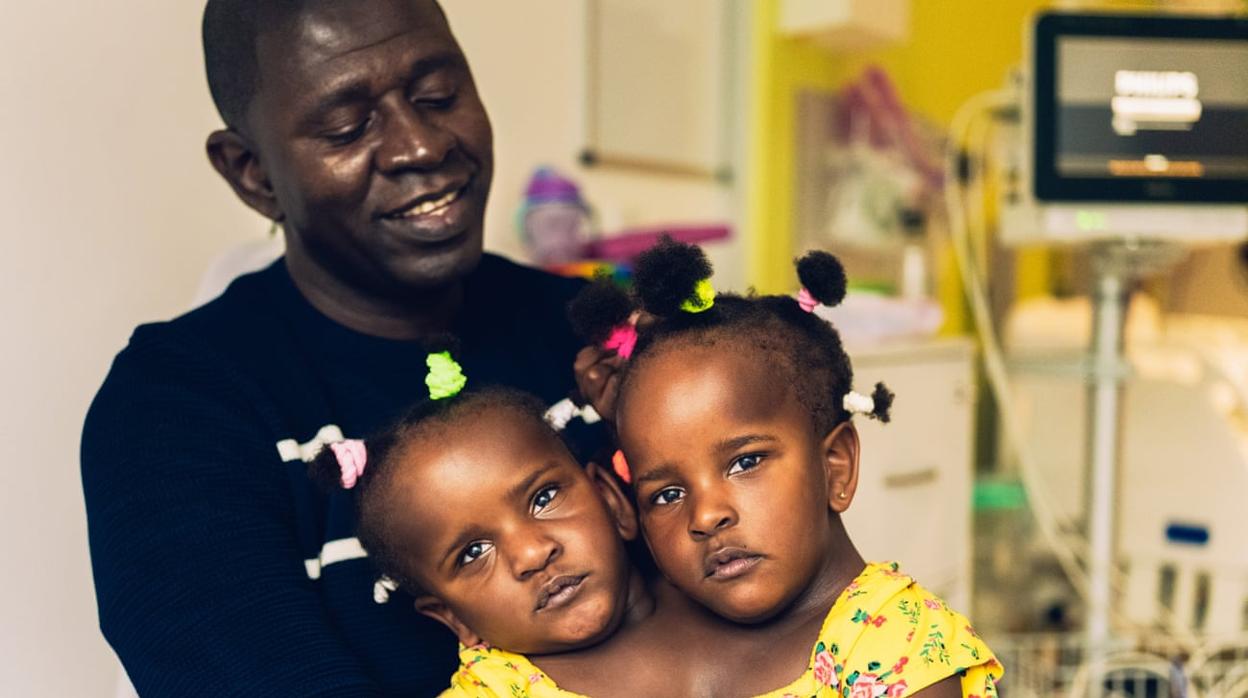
{"x":474,"y":507}
{"x":472,"y":504}
{"x":734,"y":418}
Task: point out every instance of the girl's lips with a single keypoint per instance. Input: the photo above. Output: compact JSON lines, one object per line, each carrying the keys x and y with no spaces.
{"x":559,"y":592}
{"x":730,"y":563}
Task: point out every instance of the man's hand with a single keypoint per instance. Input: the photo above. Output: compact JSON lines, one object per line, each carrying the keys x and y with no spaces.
{"x":598,"y":378}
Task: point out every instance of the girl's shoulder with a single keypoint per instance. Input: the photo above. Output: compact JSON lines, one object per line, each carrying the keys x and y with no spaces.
{"x":888,"y":636}
{"x":486,"y":672}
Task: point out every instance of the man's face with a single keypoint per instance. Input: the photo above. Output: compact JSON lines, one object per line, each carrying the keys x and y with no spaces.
{"x":505,"y":528}
{"x":375,"y":144}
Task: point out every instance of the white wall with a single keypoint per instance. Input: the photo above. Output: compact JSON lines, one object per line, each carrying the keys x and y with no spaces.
{"x":110,"y":212}
{"x":528,"y":58}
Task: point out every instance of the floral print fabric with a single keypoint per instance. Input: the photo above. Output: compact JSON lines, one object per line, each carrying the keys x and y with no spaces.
{"x":888,"y":636}
{"x":885,"y":637}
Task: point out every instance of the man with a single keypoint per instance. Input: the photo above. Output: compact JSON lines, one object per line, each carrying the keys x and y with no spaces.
{"x":219,"y":568}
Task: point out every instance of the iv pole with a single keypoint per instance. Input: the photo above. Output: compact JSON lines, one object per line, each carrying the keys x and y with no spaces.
{"x":1117,"y":266}
{"x":1108,"y":370}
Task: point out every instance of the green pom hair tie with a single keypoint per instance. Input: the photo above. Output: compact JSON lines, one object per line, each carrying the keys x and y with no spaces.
{"x":446,"y":377}
{"x":702,"y":299}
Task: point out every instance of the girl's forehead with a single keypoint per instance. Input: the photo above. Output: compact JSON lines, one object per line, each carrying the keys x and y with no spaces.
{"x":744,"y":365}
{"x":703,"y":382}
{"x":471,"y":475}
{"x":475,"y":444}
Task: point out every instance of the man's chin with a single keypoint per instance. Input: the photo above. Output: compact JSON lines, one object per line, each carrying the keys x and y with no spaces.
{"x":434,"y":271}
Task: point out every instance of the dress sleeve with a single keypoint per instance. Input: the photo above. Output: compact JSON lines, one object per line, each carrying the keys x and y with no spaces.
{"x":198,"y":577}
{"x":914,"y":641}
{"x":486,"y":672}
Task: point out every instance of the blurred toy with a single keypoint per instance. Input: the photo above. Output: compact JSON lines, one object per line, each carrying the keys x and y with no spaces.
{"x":885,"y":169}
{"x":554,"y":220}
{"x":627,"y":244}
{"x":593,"y":268}
{"x":555,"y":224}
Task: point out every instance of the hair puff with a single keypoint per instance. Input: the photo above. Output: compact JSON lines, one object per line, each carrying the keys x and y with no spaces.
{"x":324,"y":470}
{"x":883,"y":398}
{"x":823,"y":275}
{"x":666,"y":275}
{"x":599,"y":308}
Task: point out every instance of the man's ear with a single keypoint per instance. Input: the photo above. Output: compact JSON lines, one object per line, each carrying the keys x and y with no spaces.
{"x":840,"y":463}
{"x":235,"y":159}
{"x":433,"y":607}
{"x":618,"y":503}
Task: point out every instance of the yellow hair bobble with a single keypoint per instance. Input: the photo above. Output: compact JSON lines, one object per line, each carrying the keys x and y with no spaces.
{"x":446,"y":377}
{"x":702,"y":299}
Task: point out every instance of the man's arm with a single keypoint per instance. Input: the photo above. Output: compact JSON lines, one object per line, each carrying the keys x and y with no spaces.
{"x":199,"y":581}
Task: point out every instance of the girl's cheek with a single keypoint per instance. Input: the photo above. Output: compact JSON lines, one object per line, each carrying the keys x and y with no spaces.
{"x":660,"y":530}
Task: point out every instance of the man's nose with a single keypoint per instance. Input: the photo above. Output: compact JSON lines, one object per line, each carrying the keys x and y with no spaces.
{"x":412,"y":139}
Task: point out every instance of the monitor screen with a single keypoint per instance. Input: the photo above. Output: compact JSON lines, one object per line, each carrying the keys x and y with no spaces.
{"x":1131,"y":108}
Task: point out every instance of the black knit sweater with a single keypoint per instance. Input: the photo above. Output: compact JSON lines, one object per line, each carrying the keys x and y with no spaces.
{"x":220,"y":569}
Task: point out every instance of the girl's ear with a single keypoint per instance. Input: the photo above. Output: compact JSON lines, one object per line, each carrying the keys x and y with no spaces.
{"x":840,"y":464}
{"x":433,"y":607}
{"x":618,"y":503}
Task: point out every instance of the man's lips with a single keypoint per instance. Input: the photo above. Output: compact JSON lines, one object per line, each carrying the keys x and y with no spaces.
{"x":429,"y":203}
{"x":559,"y":592}
{"x":730,"y":563}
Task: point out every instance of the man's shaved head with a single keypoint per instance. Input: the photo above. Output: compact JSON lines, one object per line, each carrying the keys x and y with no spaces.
{"x":231,"y":30}
{"x":357,"y":125}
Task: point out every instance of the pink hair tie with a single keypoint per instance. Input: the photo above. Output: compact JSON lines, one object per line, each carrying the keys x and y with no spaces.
{"x":806,"y":301}
{"x":351,"y":457}
{"x":622,"y":339}
{"x":620,"y":466}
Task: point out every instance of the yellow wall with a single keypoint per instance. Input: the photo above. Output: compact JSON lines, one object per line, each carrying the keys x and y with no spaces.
{"x":782,"y":68}
{"x":956,"y":48}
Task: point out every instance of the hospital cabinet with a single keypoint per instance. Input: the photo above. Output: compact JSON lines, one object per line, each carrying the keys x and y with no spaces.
{"x":913,"y":503}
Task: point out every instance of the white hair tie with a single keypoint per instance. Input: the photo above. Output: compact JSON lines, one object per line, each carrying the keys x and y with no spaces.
{"x":565,"y":411}
{"x":382,"y":588}
{"x":857,"y":403}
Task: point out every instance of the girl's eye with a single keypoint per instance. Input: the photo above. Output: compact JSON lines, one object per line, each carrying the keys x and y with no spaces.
{"x":667,"y":495}
{"x":747,"y":462}
{"x":544,"y":497}
{"x":474,"y":551}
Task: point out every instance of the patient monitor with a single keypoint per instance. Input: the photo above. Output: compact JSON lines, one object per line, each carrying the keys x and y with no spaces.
{"x":1134,"y":127}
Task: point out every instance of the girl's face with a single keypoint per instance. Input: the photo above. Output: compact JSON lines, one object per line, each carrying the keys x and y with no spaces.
{"x":516,"y":543}
{"x":734,"y":487}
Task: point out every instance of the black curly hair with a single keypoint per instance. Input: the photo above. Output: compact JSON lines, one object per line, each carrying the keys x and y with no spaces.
{"x":387,"y":449}
{"x":803,"y":345}
{"x":231,"y":30}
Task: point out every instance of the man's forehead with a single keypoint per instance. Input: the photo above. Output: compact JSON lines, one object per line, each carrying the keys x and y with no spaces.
{"x":323,"y":36}
{"x":343,"y":28}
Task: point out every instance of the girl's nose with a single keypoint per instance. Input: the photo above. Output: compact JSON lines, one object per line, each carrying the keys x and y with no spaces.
{"x":531,"y":553}
{"x":710,"y":516}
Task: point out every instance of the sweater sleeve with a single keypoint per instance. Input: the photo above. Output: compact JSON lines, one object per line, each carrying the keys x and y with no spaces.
{"x":200,"y":584}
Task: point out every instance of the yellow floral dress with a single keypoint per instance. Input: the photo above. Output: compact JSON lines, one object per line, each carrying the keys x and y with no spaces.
{"x":885,"y":636}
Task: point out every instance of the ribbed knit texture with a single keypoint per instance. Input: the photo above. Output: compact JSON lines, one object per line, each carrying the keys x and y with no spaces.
{"x":198,"y":529}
